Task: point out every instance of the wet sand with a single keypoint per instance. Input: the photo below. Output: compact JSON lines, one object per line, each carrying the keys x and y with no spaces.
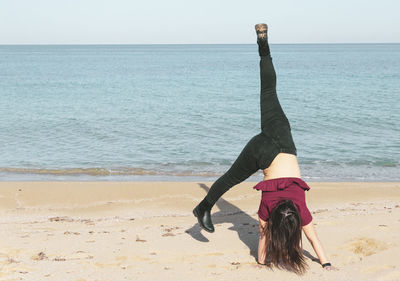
{"x":146,"y":231}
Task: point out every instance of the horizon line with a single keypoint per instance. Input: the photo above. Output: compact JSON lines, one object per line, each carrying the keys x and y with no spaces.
{"x":149,"y":44}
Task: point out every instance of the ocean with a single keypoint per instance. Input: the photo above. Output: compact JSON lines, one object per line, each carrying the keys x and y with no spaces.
{"x":184,"y":112}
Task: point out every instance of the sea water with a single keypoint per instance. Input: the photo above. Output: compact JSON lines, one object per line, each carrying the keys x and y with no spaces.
{"x":184,"y":112}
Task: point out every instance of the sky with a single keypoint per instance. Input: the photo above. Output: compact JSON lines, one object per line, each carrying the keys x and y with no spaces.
{"x":197,"y":22}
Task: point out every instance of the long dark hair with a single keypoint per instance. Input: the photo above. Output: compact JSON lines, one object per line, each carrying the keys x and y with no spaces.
{"x":284,"y":237}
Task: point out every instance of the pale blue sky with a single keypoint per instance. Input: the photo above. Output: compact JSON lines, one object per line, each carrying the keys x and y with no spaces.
{"x":205,"y":21}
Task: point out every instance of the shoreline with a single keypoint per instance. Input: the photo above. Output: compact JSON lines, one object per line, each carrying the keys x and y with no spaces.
{"x":31,"y":193}
{"x":146,"y":231}
{"x":180,"y":177}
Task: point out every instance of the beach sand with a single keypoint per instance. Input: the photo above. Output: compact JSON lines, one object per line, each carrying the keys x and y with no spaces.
{"x":146,"y":231}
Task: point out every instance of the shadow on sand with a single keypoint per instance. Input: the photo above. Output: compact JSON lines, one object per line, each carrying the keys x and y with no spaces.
{"x":245,"y":226}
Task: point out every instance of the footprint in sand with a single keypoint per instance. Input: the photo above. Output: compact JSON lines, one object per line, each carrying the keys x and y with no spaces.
{"x":40,"y":256}
{"x":61,"y":219}
{"x":11,"y":260}
{"x":79,"y":255}
{"x":69,"y":232}
{"x":320,"y":211}
{"x":87,"y":221}
{"x":139,"y":240}
{"x":236,"y":265}
{"x":169,"y":230}
{"x":366,"y":246}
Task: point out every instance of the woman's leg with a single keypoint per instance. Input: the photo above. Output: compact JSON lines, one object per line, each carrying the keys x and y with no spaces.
{"x":274,"y":122}
{"x":271,"y":109}
{"x":245,"y":165}
{"x":259,"y":150}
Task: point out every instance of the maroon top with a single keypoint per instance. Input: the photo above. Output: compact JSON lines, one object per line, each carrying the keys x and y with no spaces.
{"x":278,"y":189}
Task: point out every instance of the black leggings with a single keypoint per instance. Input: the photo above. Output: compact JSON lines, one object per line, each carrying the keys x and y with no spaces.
{"x":260,"y":151}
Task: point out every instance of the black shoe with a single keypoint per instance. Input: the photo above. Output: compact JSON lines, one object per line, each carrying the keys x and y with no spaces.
{"x":204,"y":219}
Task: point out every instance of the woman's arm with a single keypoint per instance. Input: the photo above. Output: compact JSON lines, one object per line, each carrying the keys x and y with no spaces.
{"x":312,"y":237}
{"x":262,"y":242}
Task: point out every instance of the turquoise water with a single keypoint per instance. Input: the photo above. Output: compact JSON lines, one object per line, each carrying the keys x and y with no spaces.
{"x":184,"y":112}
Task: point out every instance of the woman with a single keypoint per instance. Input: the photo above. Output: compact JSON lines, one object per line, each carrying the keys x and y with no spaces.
{"x":283,"y":212}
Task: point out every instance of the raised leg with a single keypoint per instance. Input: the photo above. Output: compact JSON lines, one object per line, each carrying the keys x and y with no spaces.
{"x":274,"y":122}
{"x":271,"y":109}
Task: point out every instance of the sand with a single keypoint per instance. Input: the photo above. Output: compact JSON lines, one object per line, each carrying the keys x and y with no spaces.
{"x":146,"y":231}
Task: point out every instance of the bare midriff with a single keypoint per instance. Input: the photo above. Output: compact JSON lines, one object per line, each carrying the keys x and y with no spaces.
{"x":284,"y":165}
